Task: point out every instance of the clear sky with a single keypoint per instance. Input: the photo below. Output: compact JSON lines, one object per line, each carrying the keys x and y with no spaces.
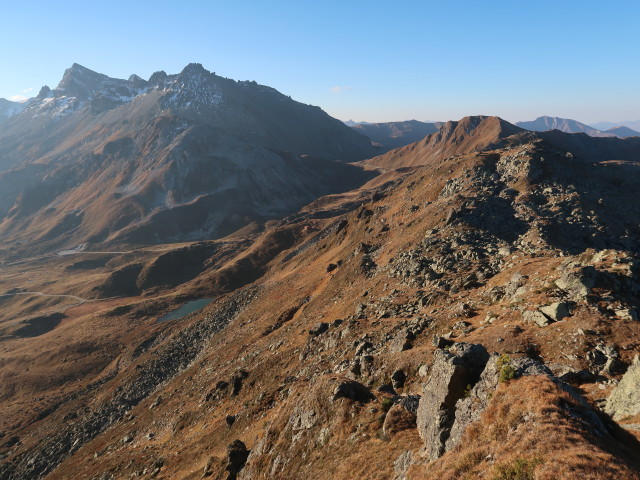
{"x":365,"y":60}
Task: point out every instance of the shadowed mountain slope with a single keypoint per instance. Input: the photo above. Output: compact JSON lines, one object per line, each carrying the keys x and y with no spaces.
{"x":184,"y":156}
{"x":392,"y":135}
{"x":623,"y":132}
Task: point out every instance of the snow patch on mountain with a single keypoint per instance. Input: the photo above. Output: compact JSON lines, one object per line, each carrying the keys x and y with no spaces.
{"x":8,"y":108}
{"x":194,"y":88}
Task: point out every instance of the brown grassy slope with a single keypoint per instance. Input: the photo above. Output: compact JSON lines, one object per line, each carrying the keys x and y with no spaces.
{"x":287,"y":369}
{"x":534,"y":425}
{"x":464,"y":136}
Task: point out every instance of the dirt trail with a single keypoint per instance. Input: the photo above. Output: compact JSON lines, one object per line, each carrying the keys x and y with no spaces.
{"x":80,"y":300}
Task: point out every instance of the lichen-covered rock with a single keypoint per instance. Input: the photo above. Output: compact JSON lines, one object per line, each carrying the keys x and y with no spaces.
{"x":578,"y":283}
{"x":451,"y":374}
{"x":556,"y":311}
{"x":402,"y":464}
{"x":624,"y":401}
{"x":536,"y":317}
{"x":469,"y":408}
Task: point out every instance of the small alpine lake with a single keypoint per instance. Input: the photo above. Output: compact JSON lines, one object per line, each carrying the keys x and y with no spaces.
{"x":185,"y":309}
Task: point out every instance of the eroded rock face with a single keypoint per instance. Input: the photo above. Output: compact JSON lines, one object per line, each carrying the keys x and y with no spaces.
{"x":452,"y":372}
{"x":469,"y":408}
{"x":624,"y":401}
{"x":402,"y":464}
{"x":577,"y":284}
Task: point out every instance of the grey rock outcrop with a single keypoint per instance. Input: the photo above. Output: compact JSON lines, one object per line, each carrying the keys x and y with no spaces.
{"x":605,"y":359}
{"x":469,"y":408}
{"x":624,"y":401}
{"x":452,"y":372}
{"x":402,"y":464}
{"x":547,"y":314}
{"x":578,"y":283}
{"x":556,"y":311}
{"x":536,"y":317}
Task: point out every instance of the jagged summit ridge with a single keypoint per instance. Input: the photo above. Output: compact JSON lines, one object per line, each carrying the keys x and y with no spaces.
{"x":194,"y":86}
{"x":195,"y":89}
{"x":80,"y":87}
{"x":80,"y":82}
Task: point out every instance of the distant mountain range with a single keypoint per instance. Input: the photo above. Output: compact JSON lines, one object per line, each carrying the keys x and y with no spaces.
{"x":174,"y":157}
{"x":622,"y":132}
{"x":351,"y":123}
{"x":8,"y":109}
{"x":482,"y":133}
{"x":392,"y":135}
{"x":634,"y":125}
{"x":566,"y":125}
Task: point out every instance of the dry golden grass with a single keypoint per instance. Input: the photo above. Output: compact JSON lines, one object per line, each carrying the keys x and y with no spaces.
{"x":532,"y":429}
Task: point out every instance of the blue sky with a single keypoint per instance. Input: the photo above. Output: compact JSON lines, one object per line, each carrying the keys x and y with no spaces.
{"x":373,"y":60}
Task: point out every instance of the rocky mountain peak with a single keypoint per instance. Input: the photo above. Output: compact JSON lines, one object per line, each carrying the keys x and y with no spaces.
{"x":194,"y":88}
{"x":158,"y":77}
{"x":194,"y":69}
{"x":473,"y":133}
{"x":194,"y":76}
{"x":80,"y":82}
{"x":44,"y":92}
{"x":137,"y":81}
{"x":479,"y":125}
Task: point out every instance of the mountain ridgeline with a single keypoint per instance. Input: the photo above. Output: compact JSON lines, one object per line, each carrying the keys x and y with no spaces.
{"x":390,"y":135}
{"x":175,"y":157}
{"x":567,"y":125}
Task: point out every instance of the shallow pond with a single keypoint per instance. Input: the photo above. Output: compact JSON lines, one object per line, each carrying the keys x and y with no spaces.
{"x":185,"y":309}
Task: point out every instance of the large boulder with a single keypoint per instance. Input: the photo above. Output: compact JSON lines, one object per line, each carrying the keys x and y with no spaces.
{"x":452,"y":373}
{"x":556,"y":311}
{"x":578,"y":283}
{"x":469,"y":408}
{"x":624,"y":401}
